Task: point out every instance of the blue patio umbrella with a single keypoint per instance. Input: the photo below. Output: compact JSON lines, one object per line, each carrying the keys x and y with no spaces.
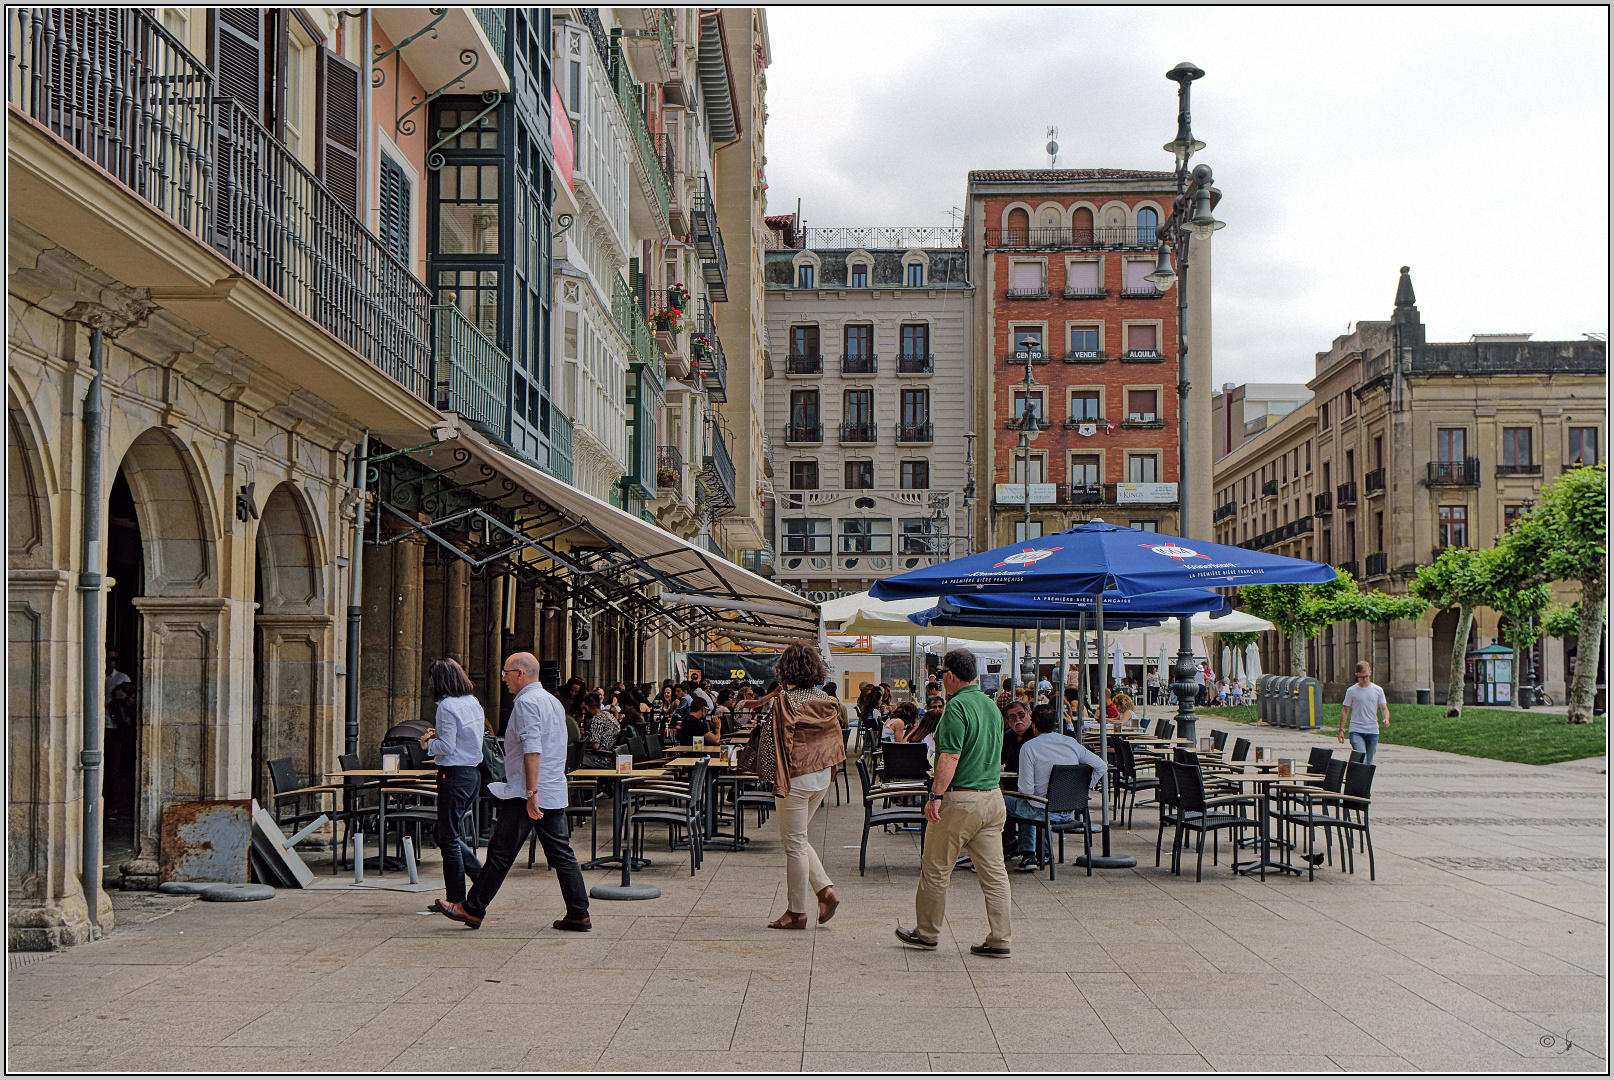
{"x":1111,"y":610}
{"x":1096,"y":555}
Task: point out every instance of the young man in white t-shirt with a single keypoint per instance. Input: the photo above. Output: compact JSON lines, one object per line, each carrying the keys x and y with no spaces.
{"x":1363,"y":703}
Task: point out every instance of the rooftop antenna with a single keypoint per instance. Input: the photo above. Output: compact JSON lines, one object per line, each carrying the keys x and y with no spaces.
{"x":953,"y":214}
{"x":1053,"y":147}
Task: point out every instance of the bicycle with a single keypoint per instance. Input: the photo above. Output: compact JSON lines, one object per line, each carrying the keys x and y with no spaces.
{"x":1541,"y":696}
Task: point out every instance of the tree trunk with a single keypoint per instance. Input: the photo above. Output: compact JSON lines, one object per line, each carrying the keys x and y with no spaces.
{"x":1459,"y":652}
{"x":1593,"y":592}
{"x":1297,"y":652}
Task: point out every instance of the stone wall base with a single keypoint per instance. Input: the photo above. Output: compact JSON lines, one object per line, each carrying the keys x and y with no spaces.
{"x":38,"y":927}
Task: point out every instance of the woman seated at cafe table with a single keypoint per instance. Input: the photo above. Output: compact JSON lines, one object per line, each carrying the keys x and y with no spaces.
{"x":806,"y":745}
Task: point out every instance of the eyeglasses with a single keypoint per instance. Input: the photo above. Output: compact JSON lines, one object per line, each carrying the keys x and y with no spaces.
{"x":511,"y":671}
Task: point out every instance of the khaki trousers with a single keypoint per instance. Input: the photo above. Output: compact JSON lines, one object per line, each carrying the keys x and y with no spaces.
{"x":972,"y":821}
{"x":804,"y":874}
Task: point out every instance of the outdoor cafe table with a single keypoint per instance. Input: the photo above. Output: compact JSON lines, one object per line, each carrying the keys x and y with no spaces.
{"x":714,"y":767}
{"x":619,"y":781}
{"x":383,"y":779}
{"x":1266,"y":781}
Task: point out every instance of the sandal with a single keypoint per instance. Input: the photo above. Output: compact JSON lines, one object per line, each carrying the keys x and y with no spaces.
{"x":828,"y":901}
{"x":789,"y":921}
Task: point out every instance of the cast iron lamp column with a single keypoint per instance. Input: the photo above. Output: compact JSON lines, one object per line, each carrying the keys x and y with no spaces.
{"x":1190,"y":219}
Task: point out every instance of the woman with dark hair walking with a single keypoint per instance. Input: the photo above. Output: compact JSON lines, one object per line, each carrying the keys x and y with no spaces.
{"x":799,"y":742}
{"x":456,"y":743}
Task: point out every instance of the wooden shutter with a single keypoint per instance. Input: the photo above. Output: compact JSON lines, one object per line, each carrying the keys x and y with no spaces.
{"x":1137,"y":276}
{"x":340,"y":84}
{"x":1082,"y":275}
{"x":240,"y":55}
{"x":1140,"y":338}
{"x":393,"y":223}
{"x":1027,"y":277}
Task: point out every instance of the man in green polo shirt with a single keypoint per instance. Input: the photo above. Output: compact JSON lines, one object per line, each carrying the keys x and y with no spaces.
{"x":965,"y":810}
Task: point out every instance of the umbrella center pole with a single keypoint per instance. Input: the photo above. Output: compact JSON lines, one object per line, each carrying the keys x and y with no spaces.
{"x":1106,"y":861}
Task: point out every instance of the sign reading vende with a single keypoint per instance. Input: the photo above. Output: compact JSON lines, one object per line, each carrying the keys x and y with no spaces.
{"x":1145,"y":493}
{"x":1040,"y":493}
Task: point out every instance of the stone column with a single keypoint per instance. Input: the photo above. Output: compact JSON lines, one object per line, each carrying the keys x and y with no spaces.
{"x":457,"y":606}
{"x":408,"y":571}
{"x":45,"y":895}
{"x":180,"y":717}
{"x":526,"y":632}
{"x":294,"y":719}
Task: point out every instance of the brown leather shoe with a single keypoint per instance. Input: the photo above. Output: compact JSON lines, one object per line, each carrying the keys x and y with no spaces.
{"x":582,"y":926}
{"x":457,"y":913}
{"x":828,"y":901}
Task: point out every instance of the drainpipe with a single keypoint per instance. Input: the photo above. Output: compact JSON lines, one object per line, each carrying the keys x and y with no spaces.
{"x":89,"y":587}
{"x":355,"y":604}
{"x":367,"y":128}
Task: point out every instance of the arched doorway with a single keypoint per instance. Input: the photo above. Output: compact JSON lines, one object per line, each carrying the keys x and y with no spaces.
{"x":291,"y":633}
{"x":165,"y":610}
{"x":126,"y":568}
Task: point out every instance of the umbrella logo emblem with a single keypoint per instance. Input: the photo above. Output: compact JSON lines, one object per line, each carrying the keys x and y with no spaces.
{"x":1026,"y":557}
{"x":1172,"y":551}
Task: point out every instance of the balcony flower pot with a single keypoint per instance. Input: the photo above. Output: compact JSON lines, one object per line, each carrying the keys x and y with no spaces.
{"x":678,"y":297}
{"x":666,"y":477}
{"x":700,"y":346}
{"x":666,"y":320}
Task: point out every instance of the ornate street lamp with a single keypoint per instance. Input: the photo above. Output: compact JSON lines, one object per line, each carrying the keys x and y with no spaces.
{"x":1190,"y":219}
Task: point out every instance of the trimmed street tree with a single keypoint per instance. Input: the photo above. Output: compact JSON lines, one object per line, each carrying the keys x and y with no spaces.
{"x":1457,"y":579}
{"x":1520,"y":600}
{"x":1565,"y":538}
{"x":1301,"y":611}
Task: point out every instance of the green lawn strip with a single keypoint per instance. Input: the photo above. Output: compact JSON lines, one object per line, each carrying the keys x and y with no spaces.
{"x":1530,"y":738}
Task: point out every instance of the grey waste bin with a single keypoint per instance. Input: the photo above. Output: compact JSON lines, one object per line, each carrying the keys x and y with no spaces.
{"x":1291,"y":701}
{"x":1263,"y":698}
{"x":1308,"y":704}
{"x":1426,"y":697}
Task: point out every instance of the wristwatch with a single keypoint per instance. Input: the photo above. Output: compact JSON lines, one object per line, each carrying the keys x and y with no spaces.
{"x":936,"y":796}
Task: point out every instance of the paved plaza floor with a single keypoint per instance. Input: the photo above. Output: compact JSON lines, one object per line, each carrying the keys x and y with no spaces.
{"x":1481,"y":946}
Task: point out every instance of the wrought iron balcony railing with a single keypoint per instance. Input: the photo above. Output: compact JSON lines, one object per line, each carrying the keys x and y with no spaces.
{"x":666,"y":155}
{"x":1226,"y":510}
{"x":1323,"y":505}
{"x":628,"y":313}
{"x":670,"y":469}
{"x":915,"y":363}
{"x":279,"y":224}
{"x":1076,"y":420}
{"x":859,"y":364}
{"x":123,"y":92}
{"x":1085,"y":356}
{"x":1039,"y":292}
{"x":1140,"y":292}
{"x":1376,"y":565}
{"x":1349,"y":567}
{"x":1020,"y":356}
{"x":914,"y":433}
{"x":473,"y":374}
{"x":858,"y":431}
{"x":1061,"y":237}
{"x":1519,"y":470}
{"x":803,"y":364}
{"x":707,"y":349}
{"x":1269,"y":489}
{"x":1455,"y":473}
{"x":718,"y":470}
{"x":1373,"y":482}
{"x":804,"y":433}
{"x":1084,"y":292}
{"x":629,"y":96}
{"x":1345,"y":494}
{"x":492,"y":22}
{"x":1142,"y":356}
{"x":709,"y":242}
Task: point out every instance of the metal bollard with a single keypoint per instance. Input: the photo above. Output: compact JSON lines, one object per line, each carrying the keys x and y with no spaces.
{"x":409,"y":860}
{"x":358,"y":858}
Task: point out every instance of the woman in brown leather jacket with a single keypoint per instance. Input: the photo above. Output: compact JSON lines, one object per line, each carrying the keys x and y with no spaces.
{"x":808,"y":745}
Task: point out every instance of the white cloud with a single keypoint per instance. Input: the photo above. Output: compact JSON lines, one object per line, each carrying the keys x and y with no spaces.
{"x":1470,"y":143}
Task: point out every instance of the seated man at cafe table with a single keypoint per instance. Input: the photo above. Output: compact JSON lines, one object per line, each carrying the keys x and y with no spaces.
{"x":1038,"y":756}
{"x":694,"y":727}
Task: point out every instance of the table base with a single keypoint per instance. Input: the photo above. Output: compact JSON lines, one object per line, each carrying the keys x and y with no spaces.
{"x":1106,"y":862}
{"x":624,"y":892}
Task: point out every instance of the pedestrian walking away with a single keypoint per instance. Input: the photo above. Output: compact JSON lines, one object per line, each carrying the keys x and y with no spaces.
{"x":455,"y":743}
{"x":804,"y":743}
{"x":1364,"y":701}
{"x":532,"y":796}
{"x":965,"y":811}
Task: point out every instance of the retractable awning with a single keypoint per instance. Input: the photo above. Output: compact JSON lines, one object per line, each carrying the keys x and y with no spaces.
{"x":628,"y":560}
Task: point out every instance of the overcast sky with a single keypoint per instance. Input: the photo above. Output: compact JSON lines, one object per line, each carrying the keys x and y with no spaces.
{"x":1469,"y":143}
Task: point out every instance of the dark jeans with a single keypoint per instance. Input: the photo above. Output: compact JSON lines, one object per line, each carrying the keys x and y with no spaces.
{"x":456,"y":793}
{"x":509,"y":834}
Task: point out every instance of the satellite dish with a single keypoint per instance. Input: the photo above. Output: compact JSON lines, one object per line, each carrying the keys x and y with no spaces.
{"x":1053,"y":148}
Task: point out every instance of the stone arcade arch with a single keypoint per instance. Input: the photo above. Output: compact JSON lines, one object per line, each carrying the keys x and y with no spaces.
{"x":292,"y":643}
{"x":183,"y":742}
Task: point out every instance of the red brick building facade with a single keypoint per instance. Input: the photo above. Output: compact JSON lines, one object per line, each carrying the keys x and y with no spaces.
{"x":1063,"y":256}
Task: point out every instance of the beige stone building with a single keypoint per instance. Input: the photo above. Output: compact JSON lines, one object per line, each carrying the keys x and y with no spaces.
{"x":1414,"y":446}
{"x":869,"y":402}
{"x":253,"y":452}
